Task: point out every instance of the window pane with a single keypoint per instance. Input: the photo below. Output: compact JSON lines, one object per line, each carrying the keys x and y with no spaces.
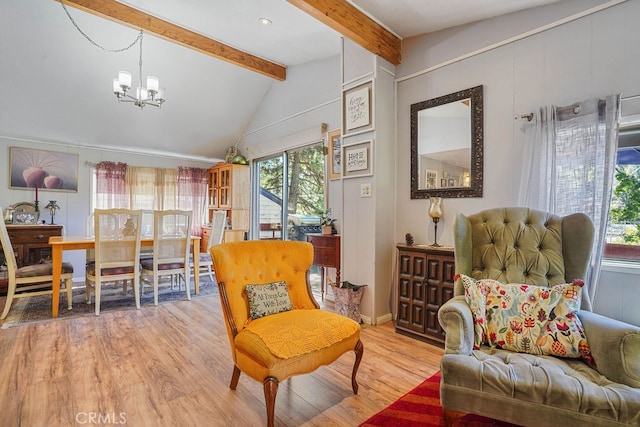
{"x":623,"y":232}
{"x":305,"y":190}
{"x":269,"y":209}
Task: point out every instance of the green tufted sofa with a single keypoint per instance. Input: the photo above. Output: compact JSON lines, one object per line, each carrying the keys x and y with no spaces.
{"x":519,"y":245}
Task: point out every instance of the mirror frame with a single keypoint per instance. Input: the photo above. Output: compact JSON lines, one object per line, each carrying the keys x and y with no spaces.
{"x":477,"y":146}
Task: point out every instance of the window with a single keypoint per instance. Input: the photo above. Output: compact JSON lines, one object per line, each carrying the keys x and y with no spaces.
{"x":117,"y":185}
{"x":296,"y":203}
{"x":623,"y":231}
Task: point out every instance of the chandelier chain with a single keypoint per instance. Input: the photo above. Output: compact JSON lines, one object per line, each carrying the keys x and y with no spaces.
{"x":133,"y":43}
{"x":140,"y":63}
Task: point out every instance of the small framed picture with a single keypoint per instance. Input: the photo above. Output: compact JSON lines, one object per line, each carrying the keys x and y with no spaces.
{"x":357,"y":109}
{"x":335,"y":153}
{"x":357,"y":160}
{"x":443,"y":182}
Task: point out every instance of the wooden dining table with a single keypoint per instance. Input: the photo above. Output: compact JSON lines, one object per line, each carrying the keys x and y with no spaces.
{"x":59,"y":244}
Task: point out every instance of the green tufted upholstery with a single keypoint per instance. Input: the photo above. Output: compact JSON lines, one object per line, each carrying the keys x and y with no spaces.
{"x":520,"y":245}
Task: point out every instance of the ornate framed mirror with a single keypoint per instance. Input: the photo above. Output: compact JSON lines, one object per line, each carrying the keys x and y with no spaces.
{"x":447,"y":146}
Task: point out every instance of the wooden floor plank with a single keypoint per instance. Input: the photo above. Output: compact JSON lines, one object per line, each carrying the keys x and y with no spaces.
{"x":171,"y":365}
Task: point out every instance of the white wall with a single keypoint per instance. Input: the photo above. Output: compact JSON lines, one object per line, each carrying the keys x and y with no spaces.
{"x":592,"y":56}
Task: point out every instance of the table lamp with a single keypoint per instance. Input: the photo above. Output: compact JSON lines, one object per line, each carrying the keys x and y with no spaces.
{"x":435,"y":212}
{"x":52,"y":206}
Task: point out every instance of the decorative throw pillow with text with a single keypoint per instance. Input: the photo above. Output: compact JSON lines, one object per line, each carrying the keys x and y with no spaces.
{"x":267,"y":299}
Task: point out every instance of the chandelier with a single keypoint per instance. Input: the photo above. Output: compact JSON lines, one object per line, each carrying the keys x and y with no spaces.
{"x":152,"y":94}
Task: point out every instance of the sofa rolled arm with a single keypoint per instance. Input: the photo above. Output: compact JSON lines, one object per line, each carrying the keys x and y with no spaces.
{"x":615,"y":347}
{"x":456,"y":320}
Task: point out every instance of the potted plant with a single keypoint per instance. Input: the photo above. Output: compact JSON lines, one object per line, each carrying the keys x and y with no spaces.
{"x":326,"y":221}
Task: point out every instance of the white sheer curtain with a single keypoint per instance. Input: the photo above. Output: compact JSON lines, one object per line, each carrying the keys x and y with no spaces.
{"x":152,"y":188}
{"x":569,"y":163}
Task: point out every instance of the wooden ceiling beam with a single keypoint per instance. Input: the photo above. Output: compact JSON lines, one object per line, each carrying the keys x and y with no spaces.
{"x":124,"y":14}
{"x":349,"y":21}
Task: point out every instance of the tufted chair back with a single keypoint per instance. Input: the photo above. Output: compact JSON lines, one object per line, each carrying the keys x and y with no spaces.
{"x":238,"y":264}
{"x":522,"y":245}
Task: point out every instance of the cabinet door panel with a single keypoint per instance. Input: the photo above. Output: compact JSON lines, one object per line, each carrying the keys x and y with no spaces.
{"x":425,"y":282}
{"x":417,"y":292}
{"x":417,"y":318}
{"x":432,"y":326}
{"x":404,"y":289}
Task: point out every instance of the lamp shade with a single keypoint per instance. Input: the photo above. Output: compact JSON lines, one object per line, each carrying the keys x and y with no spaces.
{"x":153,"y":83}
{"x":435,"y":208}
{"x":124,"y":77}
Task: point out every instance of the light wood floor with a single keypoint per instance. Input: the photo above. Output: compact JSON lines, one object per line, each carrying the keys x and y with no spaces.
{"x":170,"y":366}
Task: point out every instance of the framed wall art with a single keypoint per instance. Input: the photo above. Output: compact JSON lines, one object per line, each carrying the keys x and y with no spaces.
{"x":357,"y":160}
{"x":335,"y":153}
{"x":46,"y":170}
{"x":357,"y":109}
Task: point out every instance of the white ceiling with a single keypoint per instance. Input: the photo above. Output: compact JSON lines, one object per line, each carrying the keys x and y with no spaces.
{"x":56,"y":85}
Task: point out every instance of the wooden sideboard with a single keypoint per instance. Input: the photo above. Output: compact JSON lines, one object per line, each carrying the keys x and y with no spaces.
{"x":326,"y":253}
{"x":30,"y":244}
{"x":425,"y":282}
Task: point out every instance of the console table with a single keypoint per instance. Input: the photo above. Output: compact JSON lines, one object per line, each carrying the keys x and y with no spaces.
{"x":30,"y":244}
{"x":326,"y":253}
{"x":425,"y":282}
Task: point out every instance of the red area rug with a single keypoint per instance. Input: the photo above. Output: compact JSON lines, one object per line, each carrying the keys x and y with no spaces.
{"x":421,"y":407}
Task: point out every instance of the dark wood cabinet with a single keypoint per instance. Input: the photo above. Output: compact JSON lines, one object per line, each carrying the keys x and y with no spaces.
{"x":326,"y":253}
{"x":30,"y":245}
{"x":425,"y":282}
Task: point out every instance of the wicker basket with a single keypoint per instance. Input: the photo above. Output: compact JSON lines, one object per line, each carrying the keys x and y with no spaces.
{"x":347,"y":297}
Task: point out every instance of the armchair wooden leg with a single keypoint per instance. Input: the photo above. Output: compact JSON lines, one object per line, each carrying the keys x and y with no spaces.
{"x":359,"y":349}
{"x":270,"y":390}
{"x":234,"y":378}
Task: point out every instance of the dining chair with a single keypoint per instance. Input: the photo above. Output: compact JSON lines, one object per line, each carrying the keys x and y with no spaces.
{"x":31,"y":280}
{"x":216,"y":237}
{"x":117,"y":252}
{"x":171,"y":244}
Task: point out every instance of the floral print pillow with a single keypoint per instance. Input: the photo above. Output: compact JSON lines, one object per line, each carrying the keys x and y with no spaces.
{"x":475,"y":294}
{"x":528,"y":318}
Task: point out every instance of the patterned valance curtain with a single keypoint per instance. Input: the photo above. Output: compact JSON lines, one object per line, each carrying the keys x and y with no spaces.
{"x":569,"y":164}
{"x":111,"y":188}
{"x":192,"y":191}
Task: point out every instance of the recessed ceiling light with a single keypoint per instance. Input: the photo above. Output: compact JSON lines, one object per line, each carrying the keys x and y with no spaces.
{"x":265,"y":21}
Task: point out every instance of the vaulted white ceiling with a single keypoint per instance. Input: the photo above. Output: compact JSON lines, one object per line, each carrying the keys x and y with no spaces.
{"x":57,"y":86}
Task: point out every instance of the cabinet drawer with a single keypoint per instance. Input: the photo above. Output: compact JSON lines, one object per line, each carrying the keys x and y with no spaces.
{"x":324,"y":257}
{"x":320,"y":242}
{"x":40,"y":236}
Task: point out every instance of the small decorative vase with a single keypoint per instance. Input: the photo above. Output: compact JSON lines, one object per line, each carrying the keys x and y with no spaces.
{"x":327,"y":229}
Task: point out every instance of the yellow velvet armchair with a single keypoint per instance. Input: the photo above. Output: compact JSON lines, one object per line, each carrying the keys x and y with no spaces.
{"x":276,"y":346}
